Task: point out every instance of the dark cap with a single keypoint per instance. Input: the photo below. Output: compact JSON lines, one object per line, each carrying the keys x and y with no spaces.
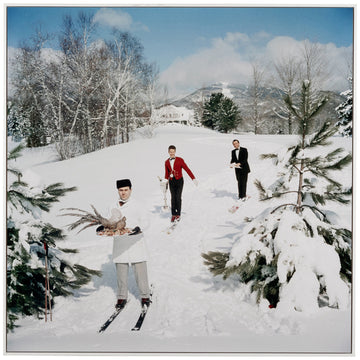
{"x":123,"y":183}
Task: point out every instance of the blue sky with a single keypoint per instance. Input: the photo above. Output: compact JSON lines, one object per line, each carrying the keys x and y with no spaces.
{"x":174,"y":36}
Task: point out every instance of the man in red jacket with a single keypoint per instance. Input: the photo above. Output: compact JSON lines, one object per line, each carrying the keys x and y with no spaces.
{"x":173,"y":173}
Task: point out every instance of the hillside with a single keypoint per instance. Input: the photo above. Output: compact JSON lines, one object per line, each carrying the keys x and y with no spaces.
{"x":192,"y":311}
{"x":270,"y":99}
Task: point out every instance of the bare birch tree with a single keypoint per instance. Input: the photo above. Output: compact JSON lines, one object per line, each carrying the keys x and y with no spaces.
{"x":118,"y":77}
{"x":83,"y":79}
{"x":28,"y":96}
{"x":256,"y":95}
{"x":308,"y":66}
{"x":314,"y":66}
{"x":288,"y":74}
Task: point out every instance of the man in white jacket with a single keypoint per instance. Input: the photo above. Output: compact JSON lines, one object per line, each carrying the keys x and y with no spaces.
{"x":130,"y":249}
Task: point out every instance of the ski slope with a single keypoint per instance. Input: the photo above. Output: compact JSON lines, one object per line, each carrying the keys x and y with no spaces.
{"x":192,"y":311}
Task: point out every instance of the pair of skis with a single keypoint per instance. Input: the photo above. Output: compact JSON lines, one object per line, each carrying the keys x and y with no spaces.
{"x":140,"y":320}
{"x":171,"y":227}
{"x":114,"y":315}
{"x":237,"y":205}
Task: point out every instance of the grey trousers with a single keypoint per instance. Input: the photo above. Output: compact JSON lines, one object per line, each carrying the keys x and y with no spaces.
{"x":141,"y":277}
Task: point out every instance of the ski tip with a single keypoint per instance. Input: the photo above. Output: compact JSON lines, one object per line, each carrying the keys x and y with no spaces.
{"x":102,"y":330}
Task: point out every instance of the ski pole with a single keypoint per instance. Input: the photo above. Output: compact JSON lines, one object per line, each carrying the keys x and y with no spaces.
{"x":164,"y":188}
{"x":47,"y":287}
{"x":45,"y":247}
{"x":165,"y":202}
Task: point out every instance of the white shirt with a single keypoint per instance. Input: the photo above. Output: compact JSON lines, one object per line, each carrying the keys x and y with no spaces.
{"x":131,"y":248}
{"x":172,"y":162}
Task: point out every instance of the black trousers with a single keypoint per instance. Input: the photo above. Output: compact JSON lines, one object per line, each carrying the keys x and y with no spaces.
{"x":176,"y":188}
{"x":242,"y":182}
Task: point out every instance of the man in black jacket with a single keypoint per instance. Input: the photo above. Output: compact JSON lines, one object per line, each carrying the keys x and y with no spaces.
{"x":239,"y":162}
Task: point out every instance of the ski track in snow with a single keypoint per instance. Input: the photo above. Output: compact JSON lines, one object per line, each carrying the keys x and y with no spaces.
{"x":190,"y":306}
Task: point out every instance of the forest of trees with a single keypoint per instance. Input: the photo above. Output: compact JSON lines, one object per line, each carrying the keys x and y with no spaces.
{"x":83,"y":97}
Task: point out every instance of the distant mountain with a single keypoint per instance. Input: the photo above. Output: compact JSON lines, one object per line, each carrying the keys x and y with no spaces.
{"x":271,"y":99}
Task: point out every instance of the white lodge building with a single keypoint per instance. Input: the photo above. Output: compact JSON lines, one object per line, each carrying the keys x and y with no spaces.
{"x":172,"y":114}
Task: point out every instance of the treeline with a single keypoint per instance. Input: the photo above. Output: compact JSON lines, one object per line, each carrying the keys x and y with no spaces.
{"x":259,"y":106}
{"x":84,"y":96}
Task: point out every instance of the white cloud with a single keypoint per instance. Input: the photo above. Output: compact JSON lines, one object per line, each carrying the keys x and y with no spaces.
{"x":283,"y":47}
{"x":220,"y":62}
{"x":229,"y":59}
{"x":340,"y":64}
{"x":113,"y":18}
{"x":116,"y":18}
{"x":236,"y":38}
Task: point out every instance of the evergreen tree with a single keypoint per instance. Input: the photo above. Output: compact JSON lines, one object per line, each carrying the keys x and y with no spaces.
{"x":211,"y":110}
{"x":27,"y":238}
{"x":220,"y":113}
{"x":345,"y":113}
{"x":15,"y":122}
{"x":291,"y":254}
{"x":229,"y":116}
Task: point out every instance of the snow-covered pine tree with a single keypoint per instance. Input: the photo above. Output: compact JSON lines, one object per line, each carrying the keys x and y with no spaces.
{"x":19,"y":126}
{"x":345,"y":113}
{"x":220,"y":113}
{"x":293,"y":254}
{"x":230,"y":116}
{"x":210,"y":115}
{"x":26,"y":236}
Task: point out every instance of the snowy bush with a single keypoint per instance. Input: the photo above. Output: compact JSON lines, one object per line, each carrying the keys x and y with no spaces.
{"x":345,"y":113}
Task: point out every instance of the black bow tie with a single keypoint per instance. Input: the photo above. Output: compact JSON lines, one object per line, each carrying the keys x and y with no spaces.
{"x":122,"y":203}
{"x":172,"y":159}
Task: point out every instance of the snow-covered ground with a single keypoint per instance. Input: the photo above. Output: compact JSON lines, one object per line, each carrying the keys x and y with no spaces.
{"x":192,"y":311}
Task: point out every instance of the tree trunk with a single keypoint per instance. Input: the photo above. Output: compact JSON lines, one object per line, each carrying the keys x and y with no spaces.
{"x":301,"y":181}
{"x":290,"y":124}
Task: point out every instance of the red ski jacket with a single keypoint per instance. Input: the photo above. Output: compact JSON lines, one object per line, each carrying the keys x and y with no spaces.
{"x":179,"y":164}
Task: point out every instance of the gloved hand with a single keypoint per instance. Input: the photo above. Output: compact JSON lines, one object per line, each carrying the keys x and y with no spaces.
{"x":196,"y":182}
{"x":136,"y":230}
{"x":100,"y":229}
